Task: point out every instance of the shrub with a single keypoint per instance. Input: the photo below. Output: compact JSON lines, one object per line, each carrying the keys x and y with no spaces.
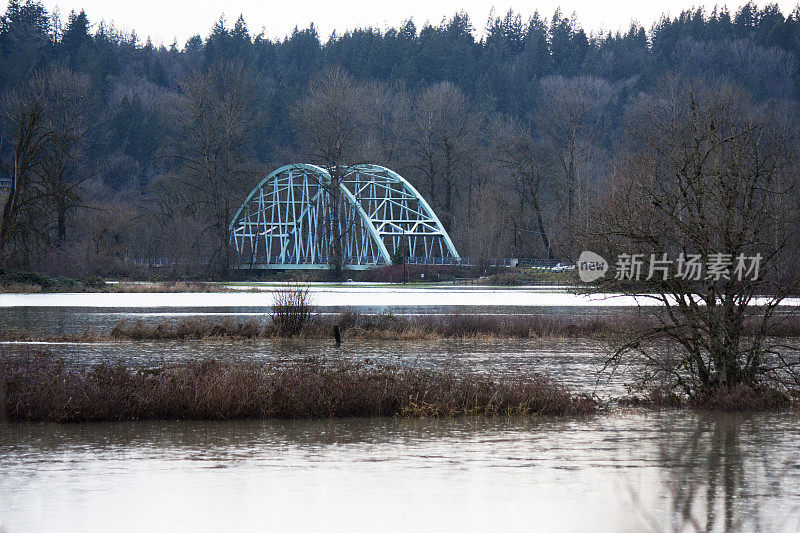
{"x":504,"y":279}
{"x":28,"y":278}
{"x":94,"y":282}
{"x":742,"y":397}
{"x":291,"y":309}
{"x":20,"y":277}
{"x":66,"y":282}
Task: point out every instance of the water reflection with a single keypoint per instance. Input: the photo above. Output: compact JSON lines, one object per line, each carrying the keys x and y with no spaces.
{"x":627,"y":471}
{"x":732,"y":472}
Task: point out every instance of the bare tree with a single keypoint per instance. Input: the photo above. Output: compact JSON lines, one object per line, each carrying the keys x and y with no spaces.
{"x":422,"y":153}
{"x":485,"y":226}
{"x":569,"y":115}
{"x":331,"y":120}
{"x":68,"y":116}
{"x":708,"y":178}
{"x":108,"y":229}
{"x":215,"y":117}
{"x":386,"y":122}
{"x":445,"y":136}
{"x":30,"y":134}
{"x":767,"y":71}
{"x":530,"y":169}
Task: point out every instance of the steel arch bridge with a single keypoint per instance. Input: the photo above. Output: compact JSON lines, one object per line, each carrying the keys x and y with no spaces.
{"x":286,"y":221}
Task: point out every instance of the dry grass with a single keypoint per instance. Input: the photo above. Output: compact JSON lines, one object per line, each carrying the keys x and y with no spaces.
{"x":188,"y":329}
{"x":167,"y":286}
{"x":474,"y":326}
{"x":389,"y":327}
{"x":39,"y":387}
{"x":121,"y":287}
{"x":19,"y":288}
{"x":17,"y":335}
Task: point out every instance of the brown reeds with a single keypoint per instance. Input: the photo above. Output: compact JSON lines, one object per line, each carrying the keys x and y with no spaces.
{"x":13,"y":334}
{"x":388,"y":327}
{"x":164,"y":286}
{"x":188,"y":329}
{"x":39,"y":387}
{"x":468,"y":326}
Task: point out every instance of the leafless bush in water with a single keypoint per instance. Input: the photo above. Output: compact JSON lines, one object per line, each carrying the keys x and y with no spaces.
{"x":706,"y":172}
{"x":291,"y":309}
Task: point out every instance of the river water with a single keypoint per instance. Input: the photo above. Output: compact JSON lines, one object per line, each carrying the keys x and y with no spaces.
{"x":634,"y":471}
{"x":50,"y":314}
{"x":578,"y":364}
{"x":623,"y":470}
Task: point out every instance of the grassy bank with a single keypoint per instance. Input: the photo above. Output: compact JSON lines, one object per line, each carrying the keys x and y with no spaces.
{"x":18,"y":281}
{"x":37,"y":283}
{"x":39,"y":387}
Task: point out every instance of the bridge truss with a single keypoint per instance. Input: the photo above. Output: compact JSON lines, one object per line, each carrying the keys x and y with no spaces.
{"x":287,"y":221}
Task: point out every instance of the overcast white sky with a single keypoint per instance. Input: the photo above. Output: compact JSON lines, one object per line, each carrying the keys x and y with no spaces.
{"x":165,"y":20}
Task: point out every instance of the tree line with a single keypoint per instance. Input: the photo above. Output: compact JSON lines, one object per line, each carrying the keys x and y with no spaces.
{"x":114,"y":149}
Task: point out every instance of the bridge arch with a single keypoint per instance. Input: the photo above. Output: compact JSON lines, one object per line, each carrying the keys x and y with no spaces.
{"x":285,"y":221}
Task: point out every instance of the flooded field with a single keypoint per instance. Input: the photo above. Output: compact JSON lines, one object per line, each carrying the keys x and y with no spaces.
{"x":621,"y":470}
{"x":649,"y":471}
{"x":355,"y":295}
{"x":59,"y":320}
{"x":576,"y":363}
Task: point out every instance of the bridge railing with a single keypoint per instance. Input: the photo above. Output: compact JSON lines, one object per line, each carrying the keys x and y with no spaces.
{"x":507,"y":262}
{"x":156,"y":262}
{"x":307,"y":260}
{"x":500,"y":262}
